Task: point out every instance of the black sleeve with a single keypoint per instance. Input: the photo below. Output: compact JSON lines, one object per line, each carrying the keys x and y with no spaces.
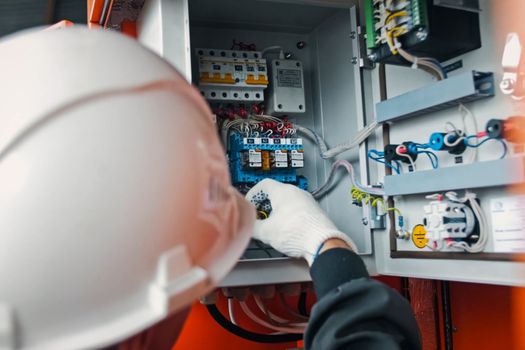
{"x":354,"y":311}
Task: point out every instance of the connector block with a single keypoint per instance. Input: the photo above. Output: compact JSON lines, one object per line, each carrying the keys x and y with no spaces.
{"x":253,"y":159}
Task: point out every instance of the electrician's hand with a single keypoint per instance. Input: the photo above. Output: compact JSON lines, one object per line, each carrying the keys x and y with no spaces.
{"x":296,"y":225}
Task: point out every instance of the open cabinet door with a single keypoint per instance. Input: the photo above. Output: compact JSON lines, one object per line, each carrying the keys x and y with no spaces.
{"x":163,"y":26}
{"x":417,"y":109}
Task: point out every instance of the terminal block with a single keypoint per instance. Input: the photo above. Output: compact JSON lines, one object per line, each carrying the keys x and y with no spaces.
{"x":232,"y":76}
{"x":424,"y":27}
{"x":448,"y":220}
{"x":253,"y":159}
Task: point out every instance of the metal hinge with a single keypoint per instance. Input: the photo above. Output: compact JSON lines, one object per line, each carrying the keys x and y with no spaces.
{"x":361,"y":55}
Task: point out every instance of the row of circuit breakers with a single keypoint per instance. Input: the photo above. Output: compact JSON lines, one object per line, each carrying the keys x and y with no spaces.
{"x":246,"y":95}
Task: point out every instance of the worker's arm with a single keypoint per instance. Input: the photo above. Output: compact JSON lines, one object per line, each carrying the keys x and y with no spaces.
{"x":353,"y":311}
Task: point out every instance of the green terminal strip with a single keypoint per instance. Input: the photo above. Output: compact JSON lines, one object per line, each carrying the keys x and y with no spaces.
{"x":370,"y":24}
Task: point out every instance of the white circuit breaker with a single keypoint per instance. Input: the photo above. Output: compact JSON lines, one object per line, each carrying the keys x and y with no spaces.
{"x":232,"y":76}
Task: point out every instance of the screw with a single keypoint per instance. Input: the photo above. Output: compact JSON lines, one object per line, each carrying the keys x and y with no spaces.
{"x":300,"y":45}
{"x":421,"y":34}
{"x":364,"y":221}
{"x":353,"y":35}
{"x":288,"y":55}
{"x":354,"y":60}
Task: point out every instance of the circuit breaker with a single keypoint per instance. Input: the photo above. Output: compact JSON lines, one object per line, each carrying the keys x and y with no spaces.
{"x":232,"y":76}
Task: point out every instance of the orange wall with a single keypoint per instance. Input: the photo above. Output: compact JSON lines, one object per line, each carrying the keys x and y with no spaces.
{"x":481,"y":315}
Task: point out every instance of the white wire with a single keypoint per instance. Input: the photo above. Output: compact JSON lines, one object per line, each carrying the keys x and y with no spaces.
{"x":478,"y":246}
{"x":274,"y":317}
{"x":406,"y":156}
{"x":421,"y":61}
{"x":456,"y":142}
{"x":327,"y":186}
{"x":291,"y":311}
{"x":231,"y":311}
{"x":465,"y":112}
{"x":267,"y":50}
{"x":268,"y":325}
{"x":469,"y":197}
{"x":326,"y":153}
{"x":438,"y":247}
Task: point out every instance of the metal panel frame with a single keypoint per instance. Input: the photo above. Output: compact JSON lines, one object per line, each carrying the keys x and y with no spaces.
{"x":463,"y":88}
{"x":458,"y":177}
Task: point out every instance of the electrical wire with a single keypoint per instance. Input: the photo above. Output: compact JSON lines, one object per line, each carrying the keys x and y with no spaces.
{"x":405,"y":155}
{"x":434,"y":160}
{"x":275,"y":319}
{"x":503,"y":144}
{"x":480,"y":244}
{"x":341,"y":163}
{"x":359,"y":196}
{"x":301,"y":304}
{"x":231,"y":311}
{"x":326,"y":153}
{"x":284,"y":306}
{"x":269,"y":49}
{"x":428,"y":64}
{"x":248,"y":335}
{"x":380,"y":158}
{"x":393,"y":15}
{"x":422,"y":62}
{"x":252,"y":316}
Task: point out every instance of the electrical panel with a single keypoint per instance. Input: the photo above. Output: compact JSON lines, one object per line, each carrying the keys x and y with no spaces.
{"x":426,"y":196}
{"x":424,"y":27}
{"x":251,"y":104}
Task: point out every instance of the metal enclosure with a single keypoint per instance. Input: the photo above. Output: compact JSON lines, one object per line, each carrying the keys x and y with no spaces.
{"x":339,"y":100}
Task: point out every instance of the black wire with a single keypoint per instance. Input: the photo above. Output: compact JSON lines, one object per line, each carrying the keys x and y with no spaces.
{"x":301,"y":304}
{"x":248,"y":335}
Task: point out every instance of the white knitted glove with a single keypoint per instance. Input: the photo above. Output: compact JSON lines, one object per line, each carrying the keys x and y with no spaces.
{"x":296,"y":225}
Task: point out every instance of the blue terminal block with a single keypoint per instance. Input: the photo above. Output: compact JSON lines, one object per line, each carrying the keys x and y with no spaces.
{"x":241,"y":173}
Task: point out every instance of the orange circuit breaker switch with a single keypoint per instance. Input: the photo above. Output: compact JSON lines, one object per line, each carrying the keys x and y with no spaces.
{"x":232,"y":76}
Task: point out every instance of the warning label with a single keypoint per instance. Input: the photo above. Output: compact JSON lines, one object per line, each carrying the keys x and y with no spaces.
{"x":289,"y":78}
{"x":508,"y":223}
{"x":419,"y":236}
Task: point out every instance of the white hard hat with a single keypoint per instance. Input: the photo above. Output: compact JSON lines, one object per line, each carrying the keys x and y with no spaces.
{"x":116,"y":208}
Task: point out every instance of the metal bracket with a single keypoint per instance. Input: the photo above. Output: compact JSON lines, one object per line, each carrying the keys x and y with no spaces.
{"x":361,"y":54}
{"x":377,"y":221}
